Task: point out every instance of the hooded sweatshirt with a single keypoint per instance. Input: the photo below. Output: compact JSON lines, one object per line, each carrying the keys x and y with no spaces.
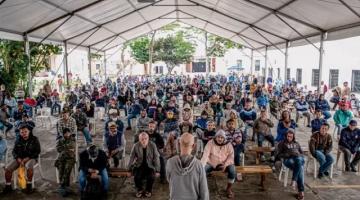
{"x":187,"y":178}
{"x":288,"y":149}
{"x":215,"y":154}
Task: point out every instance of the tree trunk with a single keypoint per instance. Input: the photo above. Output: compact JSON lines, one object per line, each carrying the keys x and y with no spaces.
{"x":170,"y":68}
{"x":151,"y":51}
{"x":145,"y":68}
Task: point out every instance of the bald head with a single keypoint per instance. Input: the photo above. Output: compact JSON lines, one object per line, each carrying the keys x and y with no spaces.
{"x":186,"y":143}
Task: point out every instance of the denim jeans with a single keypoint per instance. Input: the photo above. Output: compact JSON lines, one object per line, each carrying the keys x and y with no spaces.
{"x":87,"y":136}
{"x":325,"y":161}
{"x":269,"y":138}
{"x":131,"y":116}
{"x":231,"y":172}
{"x":55,"y":106}
{"x":238,"y":149}
{"x":296,"y":164}
{"x":3,"y":148}
{"x":347,"y":157}
{"x":248,"y":126}
{"x":326,"y":114}
{"x":104,"y":180}
{"x":218,"y":118}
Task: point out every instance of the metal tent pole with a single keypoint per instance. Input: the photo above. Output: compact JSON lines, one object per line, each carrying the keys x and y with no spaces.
{"x":252,"y":61}
{"x":286,"y":60}
{"x":105,"y":70}
{"x":321,"y":55}
{"x":66,"y":64}
{"x":89,"y":64}
{"x":266,"y":63}
{"x":27,"y":51}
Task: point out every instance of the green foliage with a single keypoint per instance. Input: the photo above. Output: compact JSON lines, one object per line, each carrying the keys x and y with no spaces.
{"x":173,"y":50}
{"x":218,"y":46}
{"x":14,"y":71}
{"x":140,"y":49}
{"x":95,"y":56}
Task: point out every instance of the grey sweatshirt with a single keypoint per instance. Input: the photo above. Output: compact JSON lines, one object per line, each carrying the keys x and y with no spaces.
{"x":187,"y":179}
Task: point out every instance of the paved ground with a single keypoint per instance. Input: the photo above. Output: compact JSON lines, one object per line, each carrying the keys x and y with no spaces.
{"x":343,"y":186}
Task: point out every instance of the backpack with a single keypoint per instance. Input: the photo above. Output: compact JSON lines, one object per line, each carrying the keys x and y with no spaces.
{"x":93,"y":190}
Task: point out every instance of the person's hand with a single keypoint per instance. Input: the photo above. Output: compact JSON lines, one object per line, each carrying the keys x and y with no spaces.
{"x":93,"y":175}
{"x":157,"y":174}
{"x":19,"y":160}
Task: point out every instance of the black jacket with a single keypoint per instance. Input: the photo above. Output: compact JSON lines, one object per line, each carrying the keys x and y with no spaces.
{"x":98,"y":164}
{"x":27,"y":148}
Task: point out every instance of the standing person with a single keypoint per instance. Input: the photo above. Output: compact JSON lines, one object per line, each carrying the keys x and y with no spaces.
{"x":145,"y":165}
{"x":219,"y":156}
{"x":349,"y":144}
{"x":320,"y":147}
{"x":186,"y":174}
{"x":26,"y":152}
{"x":65,"y":161}
{"x":290,"y":150}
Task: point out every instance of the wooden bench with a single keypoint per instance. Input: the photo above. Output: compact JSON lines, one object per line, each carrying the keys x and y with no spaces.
{"x":255,"y":169}
{"x":260,"y":150}
{"x":117,"y":172}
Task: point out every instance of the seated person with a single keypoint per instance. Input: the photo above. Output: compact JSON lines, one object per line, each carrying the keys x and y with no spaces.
{"x":317,"y":122}
{"x":185,"y":127}
{"x":92,"y":166}
{"x":113,"y":117}
{"x":134,"y":112}
{"x":82,"y":123}
{"x":284,"y":124}
{"x":66,"y":159}
{"x":26,"y":152}
{"x":355,"y":105}
{"x":320,"y":147}
{"x":262,"y":128}
{"x":237,"y":139}
{"x":114,"y":143}
{"x":239,"y":124}
{"x":342,"y":117}
{"x":25,"y":119}
{"x":248,"y":115}
{"x":4,"y":116}
{"x":302,"y":109}
{"x":142,"y":121}
{"x":201,"y":121}
{"x":349,"y":144}
{"x":323,"y":105}
{"x":144,"y":163}
{"x":3,"y":149}
{"x":186,"y":114}
{"x":219,"y":155}
{"x":290,"y":151}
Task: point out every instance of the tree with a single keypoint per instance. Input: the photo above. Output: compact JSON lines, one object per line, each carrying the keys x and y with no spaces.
{"x":173,"y":50}
{"x":218,"y":46}
{"x":15,"y":61}
{"x":140,"y":50}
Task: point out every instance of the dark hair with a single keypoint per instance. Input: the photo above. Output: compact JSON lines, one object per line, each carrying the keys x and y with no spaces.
{"x":65,"y":130}
{"x":326,"y":124}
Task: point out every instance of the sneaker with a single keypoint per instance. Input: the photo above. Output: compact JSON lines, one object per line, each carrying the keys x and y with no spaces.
{"x":308,"y":126}
{"x":353,"y":169}
{"x":326,"y":173}
{"x":320,"y":175}
{"x":29,"y":188}
{"x":7,"y":189}
{"x":347,"y":169}
{"x":128,"y":128}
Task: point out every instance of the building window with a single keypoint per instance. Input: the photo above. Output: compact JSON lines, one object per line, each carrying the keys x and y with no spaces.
{"x":270,"y":73}
{"x":257,"y":65}
{"x":97,"y":66}
{"x":161,"y":70}
{"x":298,"y":75}
{"x":288,"y":74}
{"x":355,"y":81}
{"x":334,"y":78}
{"x":315,"y":77}
{"x":239,"y":63}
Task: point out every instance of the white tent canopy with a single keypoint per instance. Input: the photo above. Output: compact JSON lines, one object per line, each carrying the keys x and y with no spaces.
{"x":104,"y":24}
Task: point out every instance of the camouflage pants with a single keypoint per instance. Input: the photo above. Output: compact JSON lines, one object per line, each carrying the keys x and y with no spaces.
{"x":65,"y":168}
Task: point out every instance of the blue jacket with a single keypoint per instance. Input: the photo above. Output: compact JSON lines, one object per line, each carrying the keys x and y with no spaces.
{"x":281,"y":130}
{"x":350,"y":139}
{"x":135,"y":109}
{"x":302,"y":106}
{"x":323,"y":105}
{"x":246,"y":115}
{"x":262,"y":100}
{"x":316,"y":124}
{"x":113,"y":142}
{"x":201,"y":123}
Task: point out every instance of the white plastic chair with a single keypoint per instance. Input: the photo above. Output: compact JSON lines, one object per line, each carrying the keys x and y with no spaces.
{"x":285,"y":170}
{"x":44,"y":117}
{"x":37,"y":165}
{"x":340,"y":156}
{"x":316,"y":167}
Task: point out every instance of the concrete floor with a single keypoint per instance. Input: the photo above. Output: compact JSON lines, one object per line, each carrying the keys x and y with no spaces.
{"x":344,"y":186}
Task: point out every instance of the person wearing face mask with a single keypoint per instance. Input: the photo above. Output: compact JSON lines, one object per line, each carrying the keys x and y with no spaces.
{"x":66,"y":121}
{"x":142,"y":121}
{"x":113,"y":117}
{"x":114,"y":143}
{"x":93,"y":163}
{"x":219,"y":156}
{"x":145,"y":165}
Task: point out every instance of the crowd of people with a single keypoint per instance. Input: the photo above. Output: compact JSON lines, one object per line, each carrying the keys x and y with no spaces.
{"x":182,"y":128}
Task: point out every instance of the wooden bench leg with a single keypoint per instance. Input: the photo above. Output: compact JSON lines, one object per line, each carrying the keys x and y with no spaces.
{"x":263,"y":182}
{"x":257,"y":158}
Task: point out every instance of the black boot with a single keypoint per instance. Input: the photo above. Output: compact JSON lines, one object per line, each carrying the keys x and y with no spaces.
{"x":29,"y":188}
{"x":353,"y":168}
{"x":7,"y":189}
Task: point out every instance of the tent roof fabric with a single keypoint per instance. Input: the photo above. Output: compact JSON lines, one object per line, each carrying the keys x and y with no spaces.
{"x":104,"y":24}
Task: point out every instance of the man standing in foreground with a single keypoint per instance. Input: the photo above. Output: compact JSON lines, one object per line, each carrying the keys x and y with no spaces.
{"x":185,"y":173}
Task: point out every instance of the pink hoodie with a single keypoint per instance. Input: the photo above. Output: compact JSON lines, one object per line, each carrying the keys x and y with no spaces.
{"x":215,"y":154}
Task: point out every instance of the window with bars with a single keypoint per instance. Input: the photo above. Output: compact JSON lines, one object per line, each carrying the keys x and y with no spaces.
{"x":257,"y":65}
{"x":298,"y":75}
{"x":355,"y":81}
{"x":288,"y":70}
{"x":315,"y":77}
{"x":334,"y":78}
{"x":278,"y":73}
